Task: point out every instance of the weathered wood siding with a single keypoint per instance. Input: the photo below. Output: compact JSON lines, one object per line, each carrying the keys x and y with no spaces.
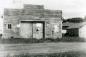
{"x":51,"y":18}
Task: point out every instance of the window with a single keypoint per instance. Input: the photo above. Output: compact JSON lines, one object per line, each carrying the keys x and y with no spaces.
{"x":9,"y":26}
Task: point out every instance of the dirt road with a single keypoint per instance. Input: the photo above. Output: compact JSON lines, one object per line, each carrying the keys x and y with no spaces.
{"x":41,"y":48}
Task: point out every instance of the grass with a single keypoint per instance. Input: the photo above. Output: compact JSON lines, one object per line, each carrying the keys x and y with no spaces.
{"x":72,"y":39}
{"x":64,"y":54}
{"x":34,"y":40}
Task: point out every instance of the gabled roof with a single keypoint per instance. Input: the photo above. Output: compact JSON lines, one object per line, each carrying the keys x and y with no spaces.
{"x":70,"y":25}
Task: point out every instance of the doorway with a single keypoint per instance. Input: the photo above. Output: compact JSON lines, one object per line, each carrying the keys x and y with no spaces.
{"x":32,"y":29}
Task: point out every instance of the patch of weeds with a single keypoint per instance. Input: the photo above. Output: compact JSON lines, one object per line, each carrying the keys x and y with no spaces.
{"x":63,"y":54}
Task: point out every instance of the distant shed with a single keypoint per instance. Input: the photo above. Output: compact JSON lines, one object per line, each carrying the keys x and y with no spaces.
{"x":75,"y":29}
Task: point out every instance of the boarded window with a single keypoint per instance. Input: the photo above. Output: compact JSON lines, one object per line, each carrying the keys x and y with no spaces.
{"x":9,"y":26}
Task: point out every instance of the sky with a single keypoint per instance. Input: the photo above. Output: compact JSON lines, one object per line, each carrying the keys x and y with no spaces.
{"x":70,"y":8}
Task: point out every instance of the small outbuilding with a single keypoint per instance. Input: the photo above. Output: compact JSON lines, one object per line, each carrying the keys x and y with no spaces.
{"x":75,"y":29}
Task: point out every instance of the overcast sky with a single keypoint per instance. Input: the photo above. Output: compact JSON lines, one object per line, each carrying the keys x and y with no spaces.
{"x":70,"y":8}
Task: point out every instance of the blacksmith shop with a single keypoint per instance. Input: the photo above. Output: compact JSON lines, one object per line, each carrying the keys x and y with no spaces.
{"x":32,"y":21}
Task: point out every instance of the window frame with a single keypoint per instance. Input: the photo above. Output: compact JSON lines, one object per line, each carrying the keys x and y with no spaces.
{"x":9,"y":26}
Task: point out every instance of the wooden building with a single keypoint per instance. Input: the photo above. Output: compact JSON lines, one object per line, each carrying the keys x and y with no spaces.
{"x":75,"y":29}
{"x":33,"y":21}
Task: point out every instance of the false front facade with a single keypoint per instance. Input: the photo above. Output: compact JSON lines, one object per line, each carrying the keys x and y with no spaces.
{"x":33,"y":21}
